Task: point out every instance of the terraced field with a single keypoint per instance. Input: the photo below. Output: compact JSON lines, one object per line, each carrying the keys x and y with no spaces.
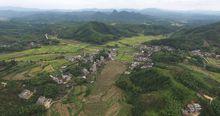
{"x":105,"y":95}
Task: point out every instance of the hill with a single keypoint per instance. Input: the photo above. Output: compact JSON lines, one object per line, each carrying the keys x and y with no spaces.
{"x":93,"y":32}
{"x":99,"y":33}
{"x":15,"y":36}
{"x":204,"y":37}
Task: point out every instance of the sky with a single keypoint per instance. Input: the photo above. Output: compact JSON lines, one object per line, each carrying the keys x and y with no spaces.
{"x":116,"y":4}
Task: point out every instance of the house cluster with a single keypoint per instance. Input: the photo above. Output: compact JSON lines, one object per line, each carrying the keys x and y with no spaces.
{"x":204,"y":54}
{"x":91,"y":57}
{"x":95,"y":59}
{"x":143,"y":59}
{"x":96,"y":63}
{"x":64,"y":79}
{"x":73,"y":58}
{"x":192,"y":109}
{"x":27,"y":94}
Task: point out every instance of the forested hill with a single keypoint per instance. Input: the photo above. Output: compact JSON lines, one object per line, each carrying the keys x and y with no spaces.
{"x":204,"y":37}
{"x":93,"y":32}
{"x":99,"y":33}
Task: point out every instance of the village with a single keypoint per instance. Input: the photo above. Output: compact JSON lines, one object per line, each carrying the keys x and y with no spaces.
{"x":95,"y":61}
{"x":143,"y":59}
{"x":205,"y":54}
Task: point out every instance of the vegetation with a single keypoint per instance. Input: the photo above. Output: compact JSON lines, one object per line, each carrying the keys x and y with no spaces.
{"x":41,"y":44}
{"x":99,"y":33}
{"x":204,"y":38}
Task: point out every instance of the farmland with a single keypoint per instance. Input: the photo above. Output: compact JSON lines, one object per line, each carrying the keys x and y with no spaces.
{"x":49,"y":59}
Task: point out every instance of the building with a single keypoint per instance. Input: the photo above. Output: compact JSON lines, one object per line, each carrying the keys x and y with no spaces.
{"x":134,"y":65}
{"x":94,"y":67}
{"x":4,"y":84}
{"x":26,"y":94}
{"x":73,"y":58}
{"x":192,"y":109}
{"x":44,"y":102}
{"x":217,"y":56}
{"x":61,"y":80}
{"x":127,"y":72}
{"x":85,"y":71}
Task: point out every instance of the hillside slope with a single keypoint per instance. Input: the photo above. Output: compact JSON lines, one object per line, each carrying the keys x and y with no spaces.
{"x":93,"y":32}
{"x":204,"y":37}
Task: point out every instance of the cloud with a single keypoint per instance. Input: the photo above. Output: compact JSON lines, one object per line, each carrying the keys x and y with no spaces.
{"x":80,"y":4}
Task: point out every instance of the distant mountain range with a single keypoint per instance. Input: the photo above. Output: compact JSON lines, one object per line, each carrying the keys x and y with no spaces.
{"x":149,"y":15}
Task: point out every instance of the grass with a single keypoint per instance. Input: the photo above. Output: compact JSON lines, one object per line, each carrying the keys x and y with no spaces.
{"x":47,"y":51}
{"x":137,"y":40}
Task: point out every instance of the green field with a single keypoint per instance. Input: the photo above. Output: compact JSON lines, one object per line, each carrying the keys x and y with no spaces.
{"x":126,"y":49}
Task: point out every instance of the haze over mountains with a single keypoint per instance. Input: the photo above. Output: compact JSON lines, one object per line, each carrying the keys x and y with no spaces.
{"x":104,"y":14}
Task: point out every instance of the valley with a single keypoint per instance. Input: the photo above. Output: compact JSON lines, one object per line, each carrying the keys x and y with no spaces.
{"x":109,"y":63}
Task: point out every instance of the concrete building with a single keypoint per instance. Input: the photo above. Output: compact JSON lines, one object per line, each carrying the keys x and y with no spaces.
{"x":4,"y":84}
{"x":26,"y":94}
{"x":44,"y":102}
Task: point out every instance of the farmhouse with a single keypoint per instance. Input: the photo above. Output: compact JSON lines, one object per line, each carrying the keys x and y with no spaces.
{"x":102,"y":58}
{"x":192,"y":109}
{"x":127,"y":72}
{"x":83,"y":77}
{"x":4,"y":84}
{"x":44,"y":102}
{"x":25,"y":94}
{"x":85,"y":71}
{"x":112,"y":53}
{"x":94,"y":67}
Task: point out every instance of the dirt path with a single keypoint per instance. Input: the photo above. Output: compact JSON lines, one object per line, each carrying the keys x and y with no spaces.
{"x":104,"y":98}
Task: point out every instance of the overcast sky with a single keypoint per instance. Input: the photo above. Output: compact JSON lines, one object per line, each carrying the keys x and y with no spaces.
{"x":103,"y":4}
